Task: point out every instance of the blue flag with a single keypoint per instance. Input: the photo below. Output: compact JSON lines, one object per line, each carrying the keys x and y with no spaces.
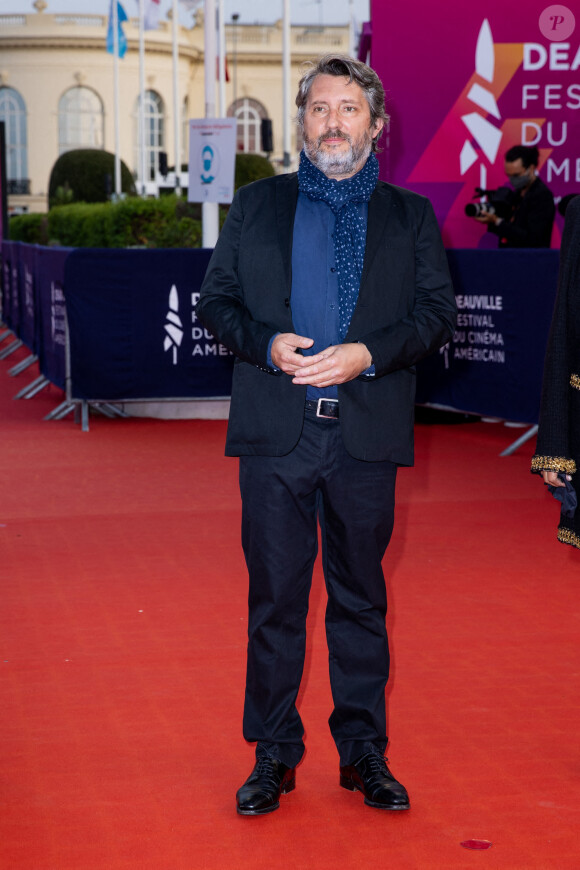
{"x":121,"y":16}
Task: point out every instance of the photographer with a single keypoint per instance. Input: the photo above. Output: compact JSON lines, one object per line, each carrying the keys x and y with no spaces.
{"x":532,"y":203}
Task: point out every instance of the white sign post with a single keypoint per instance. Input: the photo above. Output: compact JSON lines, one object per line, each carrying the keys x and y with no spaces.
{"x":212,"y":158}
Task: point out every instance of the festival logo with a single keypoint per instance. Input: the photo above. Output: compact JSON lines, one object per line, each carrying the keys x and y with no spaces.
{"x":173,"y":325}
{"x":519,"y":93}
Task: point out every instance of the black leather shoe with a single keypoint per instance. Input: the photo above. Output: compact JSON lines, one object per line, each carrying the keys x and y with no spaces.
{"x":370,"y":775}
{"x":261,"y":791}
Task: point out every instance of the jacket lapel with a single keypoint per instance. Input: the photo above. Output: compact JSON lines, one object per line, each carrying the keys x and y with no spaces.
{"x":286,"y":200}
{"x":380,"y":208}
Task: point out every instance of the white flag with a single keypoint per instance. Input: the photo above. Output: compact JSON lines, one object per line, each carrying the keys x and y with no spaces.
{"x":152,"y":10}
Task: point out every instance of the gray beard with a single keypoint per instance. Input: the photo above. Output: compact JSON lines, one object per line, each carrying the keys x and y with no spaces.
{"x":338,"y":164}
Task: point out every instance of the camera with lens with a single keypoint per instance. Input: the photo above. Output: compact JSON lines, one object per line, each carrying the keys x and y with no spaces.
{"x":497,"y":202}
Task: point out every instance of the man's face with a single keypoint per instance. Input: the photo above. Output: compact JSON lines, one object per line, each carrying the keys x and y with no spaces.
{"x":337,"y":126}
{"x":519,"y":175}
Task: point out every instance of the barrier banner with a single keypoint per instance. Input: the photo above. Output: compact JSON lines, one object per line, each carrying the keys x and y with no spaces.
{"x":28,"y":306}
{"x":15,"y":288}
{"x":465,"y":82}
{"x":133,"y":332}
{"x":11,"y":285}
{"x":7,"y":283}
{"x":493,"y":366}
{"x":51,"y":312}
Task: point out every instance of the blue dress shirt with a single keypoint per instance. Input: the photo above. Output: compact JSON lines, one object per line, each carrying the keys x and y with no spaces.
{"x":314,"y":294}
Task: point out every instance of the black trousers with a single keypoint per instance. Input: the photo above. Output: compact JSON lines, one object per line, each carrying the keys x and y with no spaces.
{"x":283,"y":498}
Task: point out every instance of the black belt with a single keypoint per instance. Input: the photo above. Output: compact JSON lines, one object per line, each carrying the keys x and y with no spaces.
{"x":324,"y":407}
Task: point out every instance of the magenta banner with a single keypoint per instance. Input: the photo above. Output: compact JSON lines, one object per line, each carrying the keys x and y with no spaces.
{"x":465,"y":82}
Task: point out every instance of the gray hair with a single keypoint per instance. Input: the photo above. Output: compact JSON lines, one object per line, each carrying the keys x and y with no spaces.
{"x":356,"y":71}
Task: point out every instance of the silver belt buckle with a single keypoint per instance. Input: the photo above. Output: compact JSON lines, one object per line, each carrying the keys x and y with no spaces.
{"x":319,"y":405}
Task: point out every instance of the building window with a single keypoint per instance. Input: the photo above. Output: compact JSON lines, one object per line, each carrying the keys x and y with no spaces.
{"x":81,"y":120}
{"x":248,"y":113}
{"x":154,"y":124}
{"x":13,"y":113}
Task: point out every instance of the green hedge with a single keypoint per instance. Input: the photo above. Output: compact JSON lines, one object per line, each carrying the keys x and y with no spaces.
{"x":30,"y":228}
{"x":167,"y":222}
{"x":251,"y":167}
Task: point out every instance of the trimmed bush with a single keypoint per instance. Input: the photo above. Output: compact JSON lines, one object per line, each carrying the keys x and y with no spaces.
{"x":86,"y":175}
{"x":30,"y":228}
{"x":251,"y":167}
{"x":135,"y":222}
{"x":81,"y":225}
{"x":168,"y":222}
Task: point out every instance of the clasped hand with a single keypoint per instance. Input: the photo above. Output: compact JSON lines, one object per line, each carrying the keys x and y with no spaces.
{"x":334,"y":365}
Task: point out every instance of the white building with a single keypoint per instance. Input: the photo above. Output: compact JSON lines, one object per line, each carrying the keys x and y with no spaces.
{"x":56,"y":89}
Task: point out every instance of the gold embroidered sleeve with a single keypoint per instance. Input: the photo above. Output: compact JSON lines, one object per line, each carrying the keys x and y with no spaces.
{"x":567,"y":536}
{"x":553,"y":463}
{"x":575,"y":381}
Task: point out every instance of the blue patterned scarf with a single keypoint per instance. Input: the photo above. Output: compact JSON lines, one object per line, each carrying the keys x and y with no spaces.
{"x":350,"y":227}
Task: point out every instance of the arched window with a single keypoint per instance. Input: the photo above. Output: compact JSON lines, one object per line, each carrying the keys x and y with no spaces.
{"x":248,"y":114}
{"x":81,"y":120}
{"x":154,"y":133}
{"x":13,"y":113}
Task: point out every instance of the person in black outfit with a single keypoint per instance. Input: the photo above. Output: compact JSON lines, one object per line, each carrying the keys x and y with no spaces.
{"x":557,"y":454}
{"x":328,"y":285}
{"x":532,"y":219}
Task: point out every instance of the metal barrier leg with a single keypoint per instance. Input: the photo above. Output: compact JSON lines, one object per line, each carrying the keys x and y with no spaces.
{"x":525,"y":437}
{"x":21,"y":366}
{"x":11,"y":348}
{"x":110,"y":410}
{"x":35,"y":387}
{"x":61,"y":411}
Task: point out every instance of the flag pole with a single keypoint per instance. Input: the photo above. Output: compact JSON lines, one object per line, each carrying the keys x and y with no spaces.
{"x":209,"y":210}
{"x":141,"y":118}
{"x":116,"y":97}
{"x":222,"y":58}
{"x":352,"y":30}
{"x":286,"y":82}
{"x":176,"y":114}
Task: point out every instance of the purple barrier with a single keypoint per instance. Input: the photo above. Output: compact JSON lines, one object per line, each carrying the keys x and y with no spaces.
{"x":51,"y":313}
{"x":10,"y":285}
{"x":27,"y":302}
{"x":133,"y":330}
{"x":6,"y":291}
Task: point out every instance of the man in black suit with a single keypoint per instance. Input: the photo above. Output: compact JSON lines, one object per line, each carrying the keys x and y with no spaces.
{"x":533,"y":210}
{"x":328,"y":286}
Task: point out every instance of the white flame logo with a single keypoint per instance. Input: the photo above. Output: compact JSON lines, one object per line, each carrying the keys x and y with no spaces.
{"x":487,"y":136}
{"x":173,"y":325}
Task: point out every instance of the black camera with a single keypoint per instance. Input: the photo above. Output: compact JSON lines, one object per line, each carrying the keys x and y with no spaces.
{"x":498,"y":202}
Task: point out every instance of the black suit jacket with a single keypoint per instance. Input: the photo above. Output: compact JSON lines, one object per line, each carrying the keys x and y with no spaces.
{"x":405,"y":310}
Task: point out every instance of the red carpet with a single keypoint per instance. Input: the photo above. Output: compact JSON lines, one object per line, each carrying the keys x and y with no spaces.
{"x":122,"y":632}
